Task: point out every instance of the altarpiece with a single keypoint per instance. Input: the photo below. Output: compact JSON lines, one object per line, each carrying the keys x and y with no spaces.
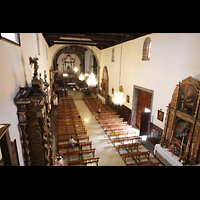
{"x":182,"y":122}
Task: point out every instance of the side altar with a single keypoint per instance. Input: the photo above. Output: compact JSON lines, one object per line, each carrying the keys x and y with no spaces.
{"x":182,"y":122}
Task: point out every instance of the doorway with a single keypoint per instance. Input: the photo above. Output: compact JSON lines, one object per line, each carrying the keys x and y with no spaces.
{"x":142,"y":109}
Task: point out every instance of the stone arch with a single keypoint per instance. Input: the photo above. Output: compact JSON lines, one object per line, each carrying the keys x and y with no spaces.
{"x":86,"y":47}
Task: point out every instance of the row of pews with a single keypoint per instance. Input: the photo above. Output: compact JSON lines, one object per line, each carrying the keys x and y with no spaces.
{"x":121,"y":135}
{"x":71,"y":124}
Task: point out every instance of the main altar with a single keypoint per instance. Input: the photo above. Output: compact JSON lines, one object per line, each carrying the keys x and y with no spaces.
{"x":181,"y":135}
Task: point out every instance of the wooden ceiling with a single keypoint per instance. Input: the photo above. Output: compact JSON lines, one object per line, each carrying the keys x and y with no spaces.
{"x":100,"y":40}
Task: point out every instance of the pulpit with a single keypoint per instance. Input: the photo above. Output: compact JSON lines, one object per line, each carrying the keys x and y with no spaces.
{"x":33,"y":110}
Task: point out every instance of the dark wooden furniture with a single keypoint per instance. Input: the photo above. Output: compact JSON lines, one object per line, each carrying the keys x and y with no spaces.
{"x":154,"y":134}
{"x":71,"y":124}
{"x":33,"y":111}
{"x":136,"y":155}
{"x":80,"y":152}
{"x":84,"y":162}
{"x":79,"y":144}
{"x":129,"y":146}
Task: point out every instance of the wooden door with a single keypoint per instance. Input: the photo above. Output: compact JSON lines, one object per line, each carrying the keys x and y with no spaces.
{"x":144,"y":101}
{"x":144,"y":123}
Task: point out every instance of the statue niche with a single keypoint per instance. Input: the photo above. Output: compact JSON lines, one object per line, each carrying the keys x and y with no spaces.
{"x":182,"y":130}
{"x":187,"y":99}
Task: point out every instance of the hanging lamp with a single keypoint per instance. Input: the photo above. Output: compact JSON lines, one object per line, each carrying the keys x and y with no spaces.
{"x":118,"y":98}
{"x":92,"y":82}
{"x":81,"y":77}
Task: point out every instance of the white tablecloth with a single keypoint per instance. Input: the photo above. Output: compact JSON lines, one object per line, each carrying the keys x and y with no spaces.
{"x":172,"y":159}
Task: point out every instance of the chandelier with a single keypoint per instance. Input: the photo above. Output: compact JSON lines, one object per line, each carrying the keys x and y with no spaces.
{"x":81,"y":77}
{"x":92,"y":82}
{"x":118,"y":99}
{"x":75,"y":69}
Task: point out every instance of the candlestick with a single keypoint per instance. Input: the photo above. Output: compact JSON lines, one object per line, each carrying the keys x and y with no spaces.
{"x":172,"y":135}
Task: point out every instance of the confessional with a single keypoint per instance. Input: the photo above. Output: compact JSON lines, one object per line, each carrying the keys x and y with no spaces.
{"x":182,"y":122}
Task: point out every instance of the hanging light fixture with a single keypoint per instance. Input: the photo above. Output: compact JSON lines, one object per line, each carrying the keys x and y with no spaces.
{"x":118,"y":98}
{"x":92,"y":82}
{"x":75,"y":69}
{"x":81,"y":77}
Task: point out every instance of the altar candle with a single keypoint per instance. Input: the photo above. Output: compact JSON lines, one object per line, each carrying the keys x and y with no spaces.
{"x":172,"y":135}
{"x":182,"y":142}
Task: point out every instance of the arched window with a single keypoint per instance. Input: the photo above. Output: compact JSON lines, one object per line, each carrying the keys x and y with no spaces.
{"x":146,"y":49}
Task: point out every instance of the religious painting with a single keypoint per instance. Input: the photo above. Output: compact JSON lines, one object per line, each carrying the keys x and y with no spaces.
{"x":187,"y":99}
{"x":160,"y":115}
{"x":127,"y":98}
{"x":121,"y":89}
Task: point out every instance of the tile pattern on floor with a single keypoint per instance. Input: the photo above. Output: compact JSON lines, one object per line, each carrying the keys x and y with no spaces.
{"x":104,"y":148}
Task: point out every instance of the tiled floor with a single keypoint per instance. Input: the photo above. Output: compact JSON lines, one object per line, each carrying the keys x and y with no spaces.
{"x":104,"y":149}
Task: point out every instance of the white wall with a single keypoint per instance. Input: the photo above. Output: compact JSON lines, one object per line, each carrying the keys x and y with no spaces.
{"x":174,"y":57}
{"x":14,"y":71}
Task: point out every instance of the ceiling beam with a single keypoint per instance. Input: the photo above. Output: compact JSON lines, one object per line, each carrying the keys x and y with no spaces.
{"x":101,"y":40}
{"x":83,"y":43}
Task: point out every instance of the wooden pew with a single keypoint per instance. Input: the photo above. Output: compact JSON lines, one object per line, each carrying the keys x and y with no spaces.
{"x":136,"y":155}
{"x":114,"y":134}
{"x":80,"y":152}
{"x":123,"y":139}
{"x":146,"y":163}
{"x":113,"y":124}
{"x":79,"y":144}
{"x":109,"y":120}
{"x":71,"y":133}
{"x":77,"y":138}
{"x":116,"y":129}
{"x":129,"y":146}
{"x":84,"y":162}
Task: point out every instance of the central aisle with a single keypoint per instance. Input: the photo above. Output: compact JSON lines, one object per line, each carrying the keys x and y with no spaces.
{"x":104,"y":149}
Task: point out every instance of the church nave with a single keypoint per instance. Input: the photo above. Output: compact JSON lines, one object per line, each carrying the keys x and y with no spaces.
{"x":111,"y":84}
{"x":103,"y":145}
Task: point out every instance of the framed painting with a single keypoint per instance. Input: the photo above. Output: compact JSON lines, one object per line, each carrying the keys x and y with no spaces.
{"x":160,"y":115}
